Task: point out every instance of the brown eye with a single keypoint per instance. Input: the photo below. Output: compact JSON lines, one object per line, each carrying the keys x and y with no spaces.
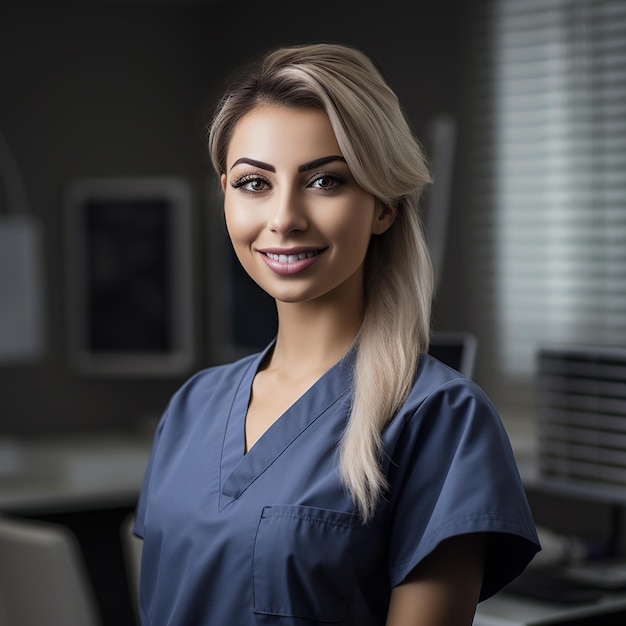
{"x":257,"y":184}
{"x":326,"y":181}
{"x":251,"y":184}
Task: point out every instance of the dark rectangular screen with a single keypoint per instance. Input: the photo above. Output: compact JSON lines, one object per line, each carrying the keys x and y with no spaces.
{"x":127,"y":276}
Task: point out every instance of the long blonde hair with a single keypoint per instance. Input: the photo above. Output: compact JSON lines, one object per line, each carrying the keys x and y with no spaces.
{"x":387,"y":161}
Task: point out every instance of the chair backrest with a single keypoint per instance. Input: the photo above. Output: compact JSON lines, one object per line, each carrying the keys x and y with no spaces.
{"x":43,"y":576}
{"x":131,"y":549}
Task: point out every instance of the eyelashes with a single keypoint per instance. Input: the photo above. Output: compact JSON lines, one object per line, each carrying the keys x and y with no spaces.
{"x":257,"y":183}
{"x":333,"y":179}
{"x":251,"y":183}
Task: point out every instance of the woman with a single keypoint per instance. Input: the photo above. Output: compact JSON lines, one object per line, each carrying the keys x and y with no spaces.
{"x":342,"y":475}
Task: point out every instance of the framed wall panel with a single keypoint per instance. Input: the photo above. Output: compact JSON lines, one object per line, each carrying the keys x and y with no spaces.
{"x":129,"y":277}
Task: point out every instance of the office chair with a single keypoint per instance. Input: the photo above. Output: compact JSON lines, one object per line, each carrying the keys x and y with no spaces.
{"x":131,"y":549}
{"x":43,"y":577}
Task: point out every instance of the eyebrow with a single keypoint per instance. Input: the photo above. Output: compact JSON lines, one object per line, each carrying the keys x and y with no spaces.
{"x":260,"y":164}
{"x":302,"y":168}
{"x":311,"y":165}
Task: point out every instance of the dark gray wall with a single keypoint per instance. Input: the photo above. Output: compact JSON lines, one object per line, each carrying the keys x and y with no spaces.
{"x":120,"y":89}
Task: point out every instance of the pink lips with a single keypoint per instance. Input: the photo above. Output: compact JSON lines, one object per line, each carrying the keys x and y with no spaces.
{"x":289,"y":262}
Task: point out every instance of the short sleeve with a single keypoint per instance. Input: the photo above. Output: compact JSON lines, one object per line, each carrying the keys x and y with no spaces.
{"x":140,"y":511}
{"x":453,"y":472}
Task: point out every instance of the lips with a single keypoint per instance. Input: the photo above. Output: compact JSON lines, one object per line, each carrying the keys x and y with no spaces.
{"x":289,"y":262}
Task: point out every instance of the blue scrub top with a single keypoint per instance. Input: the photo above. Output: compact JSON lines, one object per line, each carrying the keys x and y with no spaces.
{"x":272,"y":537}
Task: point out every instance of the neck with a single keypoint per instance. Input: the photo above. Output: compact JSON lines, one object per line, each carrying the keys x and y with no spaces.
{"x":312,"y":337}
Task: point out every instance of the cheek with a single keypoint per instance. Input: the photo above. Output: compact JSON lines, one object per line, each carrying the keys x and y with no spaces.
{"x":355,"y":232}
{"x":241,"y":226}
{"x":357,"y":245}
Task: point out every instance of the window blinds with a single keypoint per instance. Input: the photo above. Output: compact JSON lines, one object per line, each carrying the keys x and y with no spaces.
{"x":548,"y":199}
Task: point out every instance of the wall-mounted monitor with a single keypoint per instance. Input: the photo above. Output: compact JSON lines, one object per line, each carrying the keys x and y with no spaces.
{"x":129,"y":277}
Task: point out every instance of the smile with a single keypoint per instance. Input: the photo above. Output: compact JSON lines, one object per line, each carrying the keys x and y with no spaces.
{"x":289,"y":264}
{"x":291,"y":258}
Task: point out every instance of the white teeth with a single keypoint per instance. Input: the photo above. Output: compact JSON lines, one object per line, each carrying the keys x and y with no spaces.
{"x":290,"y":258}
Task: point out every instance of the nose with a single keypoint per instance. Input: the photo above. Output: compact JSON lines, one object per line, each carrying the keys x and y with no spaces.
{"x":288,"y":212}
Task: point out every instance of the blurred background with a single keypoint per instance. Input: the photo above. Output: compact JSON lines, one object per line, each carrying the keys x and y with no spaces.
{"x":521,"y":107}
{"x":110,"y":89}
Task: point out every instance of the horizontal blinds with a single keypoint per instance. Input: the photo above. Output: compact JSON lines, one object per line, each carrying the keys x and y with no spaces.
{"x":549,"y":181}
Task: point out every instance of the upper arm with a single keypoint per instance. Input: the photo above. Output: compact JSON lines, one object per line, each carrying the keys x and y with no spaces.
{"x":443,"y":589}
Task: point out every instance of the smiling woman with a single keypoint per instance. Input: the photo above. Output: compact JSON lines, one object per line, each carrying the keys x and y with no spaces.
{"x":341,"y":475}
{"x":296,"y":210}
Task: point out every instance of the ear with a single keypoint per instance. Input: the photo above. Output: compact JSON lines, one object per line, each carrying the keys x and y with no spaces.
{"x":384,"y":217}
{"x":223,"y":182}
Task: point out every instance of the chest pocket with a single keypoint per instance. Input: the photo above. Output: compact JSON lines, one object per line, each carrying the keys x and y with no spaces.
{"x":305,"y":563}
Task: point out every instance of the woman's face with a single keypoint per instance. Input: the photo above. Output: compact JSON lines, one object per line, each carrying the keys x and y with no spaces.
{"x":299,"y":223}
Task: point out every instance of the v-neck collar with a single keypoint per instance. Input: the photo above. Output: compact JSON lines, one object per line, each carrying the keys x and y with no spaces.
{"x":238,"y":470}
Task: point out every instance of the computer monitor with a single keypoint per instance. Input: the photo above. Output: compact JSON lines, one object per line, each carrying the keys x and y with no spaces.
{"x":455,"y":349}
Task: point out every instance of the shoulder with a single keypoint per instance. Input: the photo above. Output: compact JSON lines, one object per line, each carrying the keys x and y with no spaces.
{"x":438,"y":388}
{"x":446,"y":417}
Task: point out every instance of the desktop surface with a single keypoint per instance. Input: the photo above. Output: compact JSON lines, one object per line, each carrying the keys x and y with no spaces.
{"x":541,"y":596}
{"x":510,"y":610}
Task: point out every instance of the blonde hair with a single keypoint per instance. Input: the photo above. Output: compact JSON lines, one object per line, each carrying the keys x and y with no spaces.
{"x":387,"y":161}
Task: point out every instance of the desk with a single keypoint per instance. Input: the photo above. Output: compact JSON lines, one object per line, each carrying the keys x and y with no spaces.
{"x":505,"y":609}
{"x":72,"y":473}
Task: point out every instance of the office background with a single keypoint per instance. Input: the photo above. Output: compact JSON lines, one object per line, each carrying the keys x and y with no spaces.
{"x":121,"y":89}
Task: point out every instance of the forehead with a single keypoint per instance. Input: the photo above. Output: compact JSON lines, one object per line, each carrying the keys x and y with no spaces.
{"x":283,"y":136}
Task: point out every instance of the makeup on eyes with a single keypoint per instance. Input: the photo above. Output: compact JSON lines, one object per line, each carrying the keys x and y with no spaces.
{"x":238,"y":183}
{"x":337,"y":178}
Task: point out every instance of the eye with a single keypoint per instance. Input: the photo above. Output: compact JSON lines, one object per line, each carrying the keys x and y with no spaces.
{"x":251,"y":183}
{"x":326,"y":181}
